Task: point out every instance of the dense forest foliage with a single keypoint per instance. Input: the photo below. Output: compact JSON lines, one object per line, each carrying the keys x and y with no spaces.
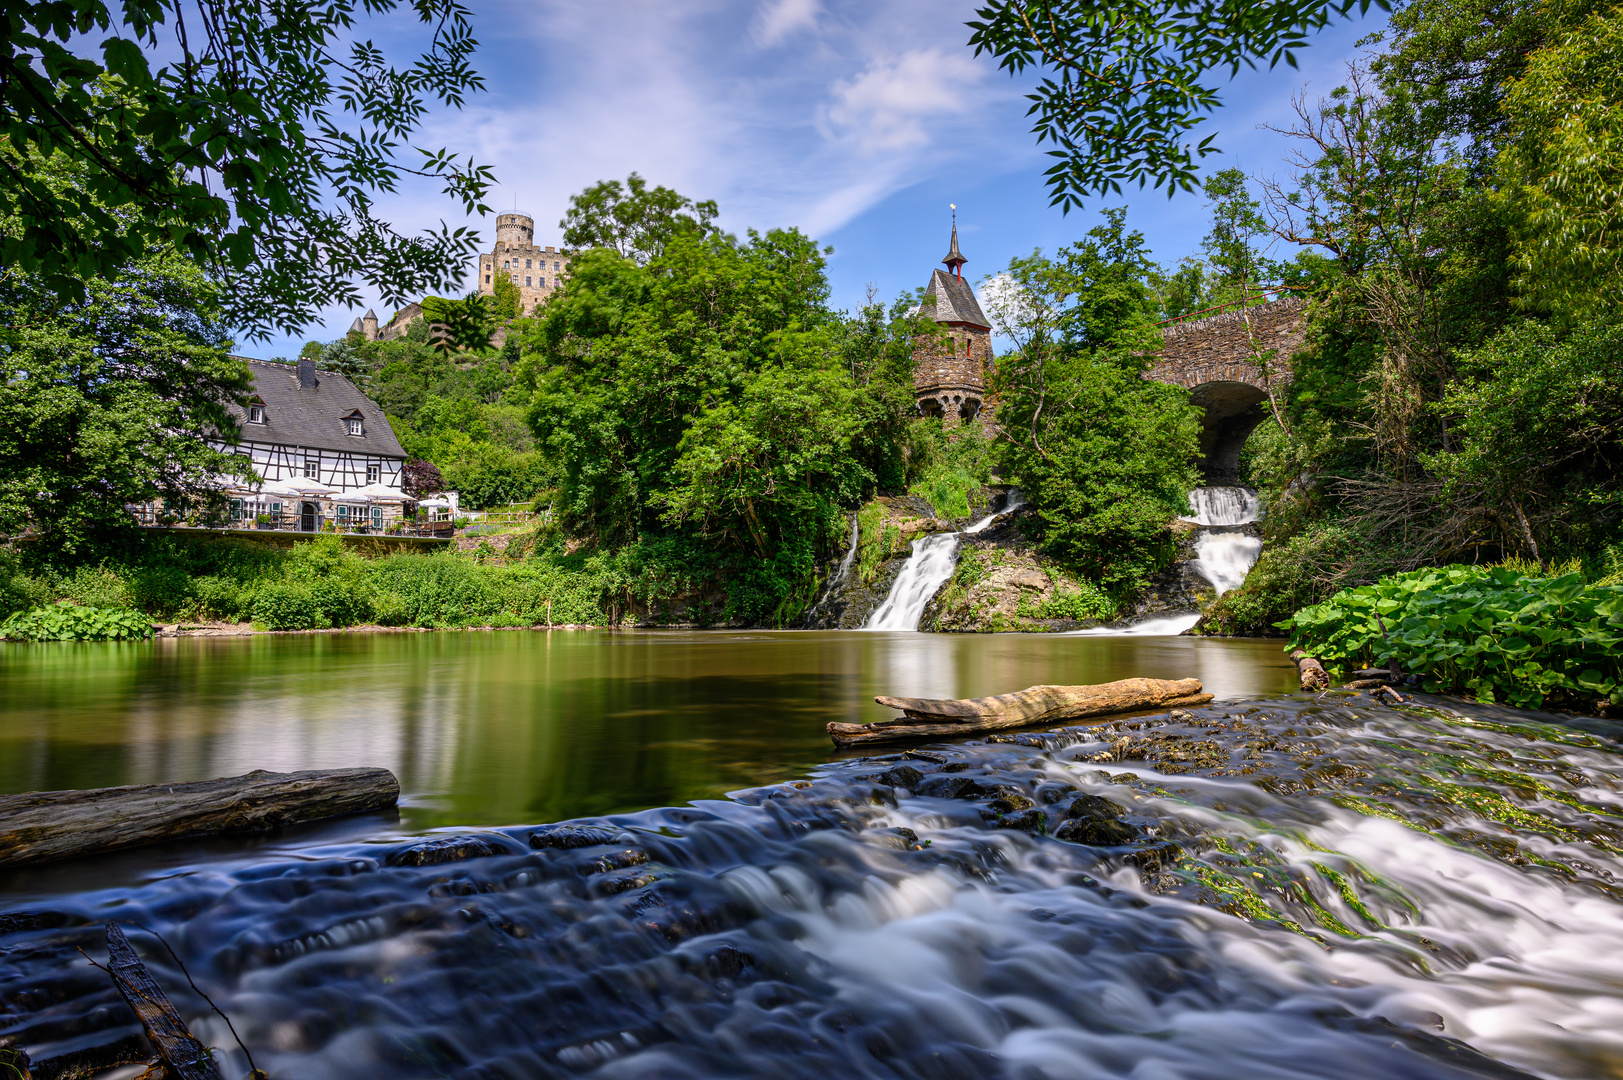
{"x":1454,"y":206}
{"x":696,"y":422}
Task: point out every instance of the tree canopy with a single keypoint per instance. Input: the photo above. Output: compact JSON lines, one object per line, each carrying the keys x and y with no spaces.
{"x":252,"y":139}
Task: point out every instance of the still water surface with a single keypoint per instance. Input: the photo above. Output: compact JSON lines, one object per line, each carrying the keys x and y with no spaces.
{"x":525,"y":727}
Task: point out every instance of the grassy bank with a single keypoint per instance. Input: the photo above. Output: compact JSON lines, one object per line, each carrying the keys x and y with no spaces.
{"x":320,"y":584}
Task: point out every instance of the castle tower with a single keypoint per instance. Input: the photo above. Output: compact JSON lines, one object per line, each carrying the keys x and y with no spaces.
{"x":369,"y":325}
{"x":949,"y":375}
{"x":537,"y":271}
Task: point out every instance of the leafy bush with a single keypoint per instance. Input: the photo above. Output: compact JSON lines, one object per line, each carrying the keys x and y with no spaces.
{"x":1495,"y":633}
{"x":69,"y":622}
{"x":1080,"y":601}
{"x":98,"y":587}
{"x":284,"y":605}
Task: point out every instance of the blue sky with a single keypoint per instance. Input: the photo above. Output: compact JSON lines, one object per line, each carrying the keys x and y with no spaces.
{"x":858,"y":121}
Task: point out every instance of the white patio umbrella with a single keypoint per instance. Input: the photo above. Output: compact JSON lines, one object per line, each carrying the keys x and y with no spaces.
{"x":382,"y":493}
{"x":305,"y":486}
{"x":434,"y":504}
{"x":279,"y":489}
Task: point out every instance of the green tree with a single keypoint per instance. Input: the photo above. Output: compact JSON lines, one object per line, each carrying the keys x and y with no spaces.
{"x":633,"y":220}
{"x":1123,"y":84}
{"x":508,"y":301}
{"x":111,"y":399}
{"x":460,"y":325}
{"x":250,"y":138}
{"x":1103,"y":455}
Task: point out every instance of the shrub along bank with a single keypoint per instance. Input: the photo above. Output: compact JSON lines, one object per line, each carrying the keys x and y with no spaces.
{"x":320,"y":584}
{"x":1495,"y":633}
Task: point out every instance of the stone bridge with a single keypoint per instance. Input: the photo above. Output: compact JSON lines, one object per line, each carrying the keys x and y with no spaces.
{"x":1220,"y":361}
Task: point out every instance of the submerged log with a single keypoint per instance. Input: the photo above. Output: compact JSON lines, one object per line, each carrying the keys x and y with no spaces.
{"x":41,"y":826}
{"x":186,"y":1057}
{"x":1035,"y":705}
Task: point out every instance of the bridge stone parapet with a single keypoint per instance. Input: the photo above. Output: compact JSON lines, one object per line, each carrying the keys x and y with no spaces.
{"x":1220,"y":361}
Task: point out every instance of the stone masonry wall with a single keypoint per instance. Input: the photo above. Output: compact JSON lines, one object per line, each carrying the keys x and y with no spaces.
{"x":1221,"y":348}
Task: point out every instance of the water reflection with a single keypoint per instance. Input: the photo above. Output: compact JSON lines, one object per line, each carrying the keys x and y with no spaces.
{"x":497,"y":728}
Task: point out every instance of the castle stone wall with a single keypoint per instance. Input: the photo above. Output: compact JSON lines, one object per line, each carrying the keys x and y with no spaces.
{"x":537,"y":271}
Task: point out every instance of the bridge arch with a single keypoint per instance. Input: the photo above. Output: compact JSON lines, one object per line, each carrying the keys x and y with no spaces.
{"x":1228,"y":363}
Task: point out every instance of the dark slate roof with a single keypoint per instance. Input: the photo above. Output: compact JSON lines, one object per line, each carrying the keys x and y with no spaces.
{"x":954,"y":301}
{"x":315,"y":418}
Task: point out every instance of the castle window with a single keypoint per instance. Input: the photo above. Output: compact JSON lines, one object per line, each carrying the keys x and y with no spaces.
{"x":969,"y":347}
{"x":557,"y":265}
{"x":487,"y":279}
{"x":526,"y":280}
{"x":527,"y":264}
{"x":507,"y":264}
{"x":543,"y":283}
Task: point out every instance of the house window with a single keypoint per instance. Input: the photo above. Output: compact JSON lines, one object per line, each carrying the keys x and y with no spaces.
{"x":374,"y":473}
{"x":256,"y":413}
{"x":236,"y":509}
{"x":377,"y":517}
{"x":355,"y":424}
{"x":312,"y":468}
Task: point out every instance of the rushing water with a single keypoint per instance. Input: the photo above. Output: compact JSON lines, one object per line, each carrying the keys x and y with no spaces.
{"x":927,"y":569}
{"x":1224,"y":556}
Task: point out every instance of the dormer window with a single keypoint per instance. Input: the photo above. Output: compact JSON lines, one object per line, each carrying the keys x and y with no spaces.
{"x":355,"y":424}
{"x":256,"y":411}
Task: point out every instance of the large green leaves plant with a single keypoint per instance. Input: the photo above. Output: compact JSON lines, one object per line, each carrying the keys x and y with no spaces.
{"x":1494,"y":633}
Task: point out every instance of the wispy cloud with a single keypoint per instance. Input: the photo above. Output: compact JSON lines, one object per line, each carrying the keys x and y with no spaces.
{"x":887,"y":105}
{"x":780,"y":19}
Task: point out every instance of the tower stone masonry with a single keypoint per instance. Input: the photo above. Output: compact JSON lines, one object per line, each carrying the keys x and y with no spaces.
{"x":949,"y":375}
{"x":537,"y":271}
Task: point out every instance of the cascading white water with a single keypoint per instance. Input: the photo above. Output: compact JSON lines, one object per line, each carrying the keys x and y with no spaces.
{"x":1224,"y":558}
{"x":841,"y":573}
{"x":926,"y":570}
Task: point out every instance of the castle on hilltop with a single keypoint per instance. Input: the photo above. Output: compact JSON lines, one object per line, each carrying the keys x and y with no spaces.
{"x":537,"y":271}
{"x":949,"y":375}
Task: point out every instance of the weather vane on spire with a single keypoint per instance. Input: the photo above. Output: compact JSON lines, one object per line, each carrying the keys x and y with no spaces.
{"x":955,"y":259}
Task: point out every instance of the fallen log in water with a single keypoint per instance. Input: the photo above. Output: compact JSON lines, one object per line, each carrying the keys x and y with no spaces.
{"x":1036,"y":705}
{"x":1312,"y":673}
{"x":41,"y":826}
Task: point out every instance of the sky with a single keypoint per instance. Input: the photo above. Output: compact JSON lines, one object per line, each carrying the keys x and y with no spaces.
{"x":857,"y":121}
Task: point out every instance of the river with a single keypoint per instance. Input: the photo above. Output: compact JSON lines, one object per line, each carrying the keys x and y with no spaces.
{"x":1275,"y":886}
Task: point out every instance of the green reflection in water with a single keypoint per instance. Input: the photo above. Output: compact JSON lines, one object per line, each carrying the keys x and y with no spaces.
{"x":522,"y":727}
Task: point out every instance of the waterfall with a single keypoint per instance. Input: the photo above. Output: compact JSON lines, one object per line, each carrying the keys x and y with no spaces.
{"x":927,"y":569}
{"x":1224,"y":557}
{"x":837,"y":580}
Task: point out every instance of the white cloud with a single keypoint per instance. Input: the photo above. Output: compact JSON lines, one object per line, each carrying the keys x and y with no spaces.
{"x":886,"y":105}
{"x":779,"y":20}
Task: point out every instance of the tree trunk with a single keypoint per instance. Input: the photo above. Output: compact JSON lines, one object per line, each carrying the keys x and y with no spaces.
{"x":42,"y":826}
{"x":1035,"y":705}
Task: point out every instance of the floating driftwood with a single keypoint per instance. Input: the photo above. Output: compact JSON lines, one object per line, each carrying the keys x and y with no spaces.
{"x":1036,"y":705}
{"x":185,"y":1057}
{"x":41,"y":826}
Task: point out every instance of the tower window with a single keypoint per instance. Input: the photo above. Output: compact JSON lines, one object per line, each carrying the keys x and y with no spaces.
{"x":969,"y":347}
{"x":487,"y":279}
{"x":507,"y":264}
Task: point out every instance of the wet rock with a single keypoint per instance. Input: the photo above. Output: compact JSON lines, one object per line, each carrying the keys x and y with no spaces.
{"x":569,"y":837}
{"x":1096,"y":821}
{"x":449,"y":849}
{"x":1031,"y":821}
{"x":897,"y":839}
{"x":617,"y":860}
{"x":902,"y":776}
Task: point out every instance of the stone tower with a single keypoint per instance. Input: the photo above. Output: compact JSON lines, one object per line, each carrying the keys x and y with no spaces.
{"x":537,"y":271}
{"x":949,"y":376}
